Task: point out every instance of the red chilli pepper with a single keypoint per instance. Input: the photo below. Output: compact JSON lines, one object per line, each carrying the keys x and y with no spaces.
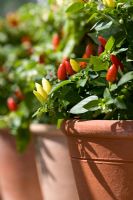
{"x":26,"y":39}
{"x":116,"y":61}
{"x":102,"y":40}
{"x":20,"y":96}
{"x":83,"y":64}
{"x":41,"y":59}
{"x":12,"y":105}
{"x":69,"y":69}
{"x":2,"y":69}
{"x":112,"y":73}
{"x":89,"y":50}
{"x":61,"y":73}
{"x":55,"y":41}
{"x":100,"y":49}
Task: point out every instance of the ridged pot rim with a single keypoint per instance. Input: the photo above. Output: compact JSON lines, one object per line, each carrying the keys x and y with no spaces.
{"x":98,"y":128}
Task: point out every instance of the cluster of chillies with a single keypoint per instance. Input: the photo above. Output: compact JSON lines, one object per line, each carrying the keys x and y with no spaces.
{"x":69,"y":66}
{"x":116,"y":63}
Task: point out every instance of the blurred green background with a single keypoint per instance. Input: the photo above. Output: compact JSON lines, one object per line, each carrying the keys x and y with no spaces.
{"x":11,"y":5}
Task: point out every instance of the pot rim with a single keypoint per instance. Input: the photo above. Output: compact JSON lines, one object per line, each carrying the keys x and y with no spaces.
{"x":4,"y":131}
{"x":98,"y":128}
{"x":39,"y":129}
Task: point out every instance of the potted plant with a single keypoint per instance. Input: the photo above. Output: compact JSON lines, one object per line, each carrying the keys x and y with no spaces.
{"x":29,"y":57}
{"x":17,"y":76}
{"x":96,"y":102}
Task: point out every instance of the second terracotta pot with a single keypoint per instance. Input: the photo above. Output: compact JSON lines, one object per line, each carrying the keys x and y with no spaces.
{"x":102,"y":158}
{"x":54,"y":166}
{"x":18,"y":172}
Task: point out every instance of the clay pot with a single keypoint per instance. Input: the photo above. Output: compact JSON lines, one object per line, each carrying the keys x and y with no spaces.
{"x":102,"y":158}
{"x":18,"y":172}
{"x":54,"y":166}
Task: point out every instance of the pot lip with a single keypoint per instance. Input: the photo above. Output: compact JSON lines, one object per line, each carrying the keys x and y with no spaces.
{"x":40,"y":129}
{"x":98,"y":128}
{"x":4,"y":130}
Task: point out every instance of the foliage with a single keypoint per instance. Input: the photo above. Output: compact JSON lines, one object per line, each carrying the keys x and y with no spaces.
{"x":103,"y":87}
{"x":27,"y":54}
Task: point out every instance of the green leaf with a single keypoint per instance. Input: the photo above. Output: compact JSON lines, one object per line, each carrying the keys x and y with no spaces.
{"x":59,"y":122}
{"x":82,"y":82}
{"x":59,"y":85}
{"x":92,"y":105}
{"x":125,"y":78}
{"x":103,"y":26}
{"x":120,"y":103}
{"x":3,"y":123}
{"x":106,"y":94}
{"x":75,"y":7}
{"x":22,"y":139}
{"x":79,"y":108}
{"x":99,"y":82}
{"x":92,"y":16}
{"x":113,"y":87}
{"x":98,"y":64}
{"x":110,"y":43}
{"x":120,"y":50}
{"x":82,"y":59}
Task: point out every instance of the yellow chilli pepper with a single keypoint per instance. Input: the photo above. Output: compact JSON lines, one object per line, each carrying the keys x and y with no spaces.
{"x":109,"y":3}
{"x":38,"y":96}
{"x":75,"y":66}
{"x":40,"y":93}
{"x":43,"y":90}
{"x":46,"y":85}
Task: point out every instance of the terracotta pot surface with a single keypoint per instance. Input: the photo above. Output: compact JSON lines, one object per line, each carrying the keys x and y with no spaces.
{"x":18,"y":172}
{"x":102,"y":158}
{"x":54,"y":166}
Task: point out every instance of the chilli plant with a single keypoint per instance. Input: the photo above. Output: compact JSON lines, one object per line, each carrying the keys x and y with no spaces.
{"x":32,"y":40}
{"x":96,"y":83}
{"x":26,"y":55}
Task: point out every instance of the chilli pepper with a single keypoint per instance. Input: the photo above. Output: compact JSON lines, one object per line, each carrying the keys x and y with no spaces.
{"x":109,"y":3}
{"x":26,"y":40}
{"x":12,"y":105}
{"x":89,"y":50}
{"x":116,"y":61}
{"x":12,"y":19}
{"x":46,"y":85}
{"x":69,"y":69}
{"x":41,"y":59}
{"x":20,"y":96}
{"x":75,"y":65}
{"x":2,"y":69}
{"x":83,"y":64}
{"x":61,"y":73}
{"x":112,"y":73}
{"x":40,"y":93}
{"x":102,"y":40}
{"x":55,"y":40}
{"x":100,"y":49}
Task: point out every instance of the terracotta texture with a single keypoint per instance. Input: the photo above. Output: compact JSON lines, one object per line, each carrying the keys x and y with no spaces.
{"x":54,"y":166}
{"x":102,"y":158}
{"x":18,"y":172}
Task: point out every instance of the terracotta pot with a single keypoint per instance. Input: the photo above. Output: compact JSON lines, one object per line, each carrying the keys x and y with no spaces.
{"x":102,"y":158}
{"x":18,"y":172}
{"x":54,"y":166}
